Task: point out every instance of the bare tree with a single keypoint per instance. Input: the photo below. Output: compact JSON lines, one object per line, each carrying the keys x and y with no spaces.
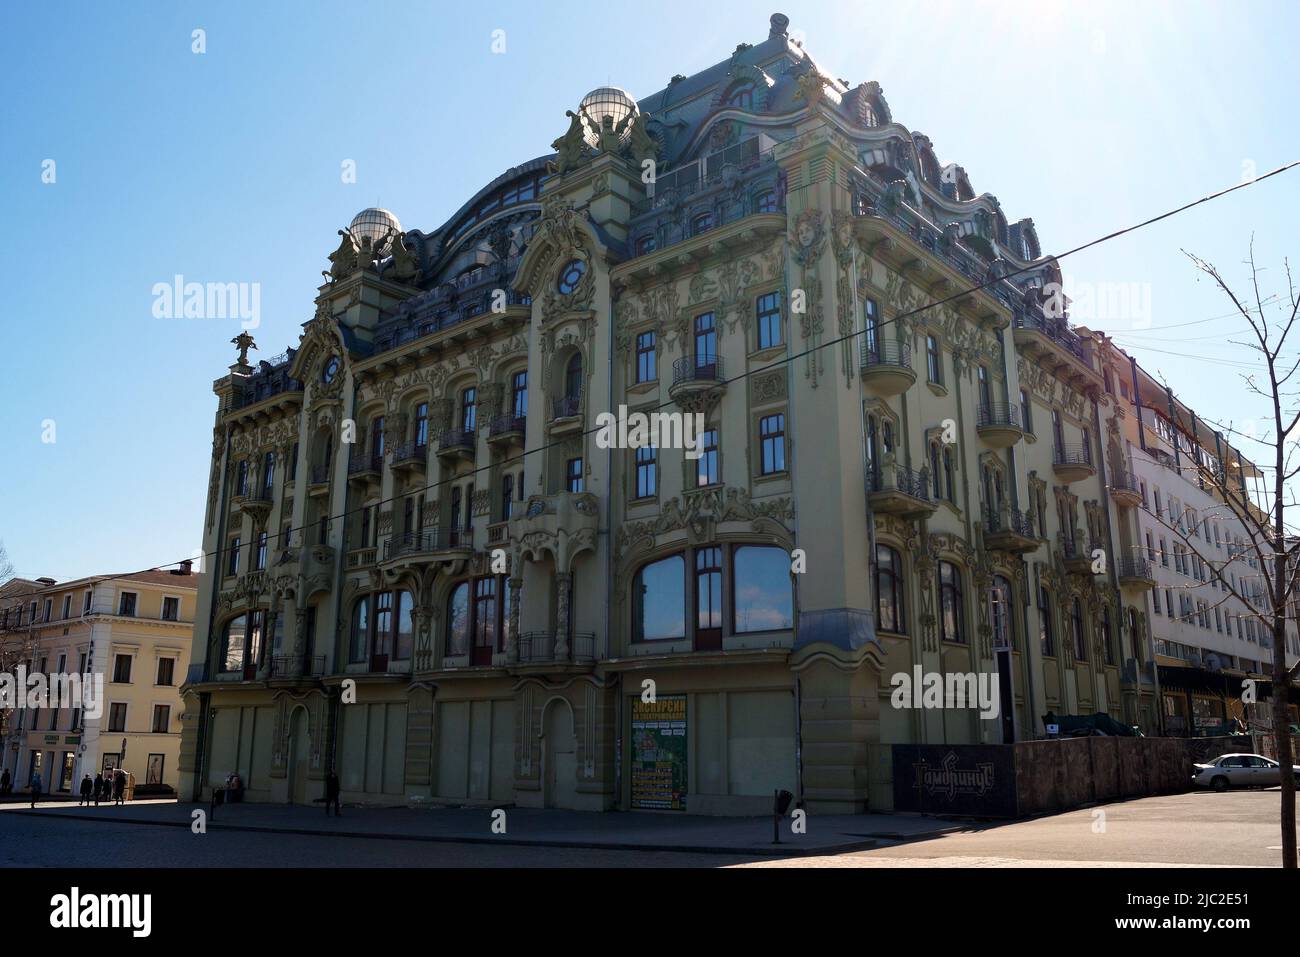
{"x":6,"y":566}
{"x":1268,"y":546}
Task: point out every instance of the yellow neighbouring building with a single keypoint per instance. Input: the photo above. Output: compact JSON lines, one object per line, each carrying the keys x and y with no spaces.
{"x":135,"y":631}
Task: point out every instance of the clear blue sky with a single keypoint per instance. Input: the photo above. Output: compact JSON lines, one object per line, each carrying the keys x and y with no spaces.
{"x":225,"y":167}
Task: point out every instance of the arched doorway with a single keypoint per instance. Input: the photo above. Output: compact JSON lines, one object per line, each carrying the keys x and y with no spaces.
{"x":560,"y":756}
{"x":299,"y":756}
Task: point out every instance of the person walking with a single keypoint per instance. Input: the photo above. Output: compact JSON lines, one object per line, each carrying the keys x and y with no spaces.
{"x":87,"y":786}
{"x":6,"y":782}
{"x":119,"y":786}
{"x":99,"y":787}
{"x":37,"y":786}
{"x":332,"y":794}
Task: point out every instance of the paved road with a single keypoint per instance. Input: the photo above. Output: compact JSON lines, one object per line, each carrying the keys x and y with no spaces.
{"x":1199,"y":829}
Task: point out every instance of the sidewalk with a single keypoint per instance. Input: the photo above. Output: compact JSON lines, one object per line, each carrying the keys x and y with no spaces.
{"x":613,"y":830}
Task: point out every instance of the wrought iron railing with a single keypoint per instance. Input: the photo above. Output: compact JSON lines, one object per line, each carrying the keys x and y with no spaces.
{"x":1134,"y":568}
{"x":1072,"y":455}
{"x":365,"y":463}
{"x":566,"y":406}
{"x":506,"y":424}
{"x":441,"y":538}
{"x":899,"y":478}
{"x":1000,"y":414}
{"x":698,"y":368}
{"x":1008,"y":520}
{"x":537,"y":646}
{"x":297,"y":666}
{"x":320,"y":474}
{"x":878,"y":352}
{"x":410,"y":452}
{"x":456,"y":439}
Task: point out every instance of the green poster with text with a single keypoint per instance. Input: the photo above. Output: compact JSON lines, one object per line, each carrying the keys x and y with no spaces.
{"x":659,"y":753}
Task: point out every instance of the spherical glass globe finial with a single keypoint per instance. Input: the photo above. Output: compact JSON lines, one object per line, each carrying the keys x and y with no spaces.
{"x":607,"y":101}
{"x":374,"y":223}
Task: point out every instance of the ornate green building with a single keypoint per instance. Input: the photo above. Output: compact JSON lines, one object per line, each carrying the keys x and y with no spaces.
{"x":432,"y":576}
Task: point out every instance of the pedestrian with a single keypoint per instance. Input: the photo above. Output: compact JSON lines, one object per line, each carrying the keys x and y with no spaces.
{"x":119,"y":786}
{"x":36,"y":788}
{"x":87,"y":786}
{"x":99,"y":787}
{"x":6,"y":782}
{"x":332,"y":794}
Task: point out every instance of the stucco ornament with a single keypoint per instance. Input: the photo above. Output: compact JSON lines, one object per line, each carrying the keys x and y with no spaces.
{"x":807,"y":240}
{"x":243,"y":342}
{"x":571,"y":148}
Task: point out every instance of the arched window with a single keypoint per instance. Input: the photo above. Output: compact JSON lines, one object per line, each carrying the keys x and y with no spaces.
{"x":952,"y":611}
{"x":268,"y":472}
{"x":232,"y":657}
{"x":573,"y":376}
{"x":762,"y":599}
{"x":659,"y":600}
{"x":889,"y":591}
{"x":1076,"y":627}
{"x":742,"y":96}
{"x":1000,"y":613}
{"x":458,"y":620}
{"x":947,"y":472}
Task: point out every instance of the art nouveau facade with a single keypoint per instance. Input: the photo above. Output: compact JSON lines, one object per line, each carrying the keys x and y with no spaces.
{"x":899,"y":469}
{"x":135,"y":632}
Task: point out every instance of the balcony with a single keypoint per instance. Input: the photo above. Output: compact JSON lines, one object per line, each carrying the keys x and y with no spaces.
{"x":442,"y":542}
{"x":498,"y":533}
{"x":1073,"y":463}
{"x":319,"y":480}
{"x":362,"y":557}
{"x":411,"y":456}
{"x":456,"y":445}
{"x":365,"y":469}
{"x":886,"y":366}
{"x":293,"y":668}
{"x":1078,"y":556}
{"x":898,"y":490}
{"x":1124,"y":489}
{"x":999,"y":424}
{"x":507,"y":430}
{"x":1009,"y":530}
{"x":1052,"y":343}
{"x":1136,"y":573}
{"x":256,"y":503}
{"x":697,"y":379}
{"x":538,"y":647}
{"x":566,"y":414}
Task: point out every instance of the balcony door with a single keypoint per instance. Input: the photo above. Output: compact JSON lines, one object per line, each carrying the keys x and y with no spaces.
{"x":706,"y":346}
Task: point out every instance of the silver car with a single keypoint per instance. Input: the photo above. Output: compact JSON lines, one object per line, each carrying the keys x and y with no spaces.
{"x":1239,"y":771}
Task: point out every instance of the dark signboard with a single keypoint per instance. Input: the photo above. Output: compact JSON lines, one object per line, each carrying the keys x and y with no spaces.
{"x":973,"y":779}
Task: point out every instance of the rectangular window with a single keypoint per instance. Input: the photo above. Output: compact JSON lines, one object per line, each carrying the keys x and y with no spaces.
{"x":646,"y":365}
{"x":162,"y":715}
{"x":933,"y":364}
{"x":768,"y":315}
{"x":706,"y":466}
{"x":1045,"y":644}
{"x":122,"y":669}
{"x":260,"y":563}
{"x":232,"y":561}
{"x":85,"y":603}
{"x":519,"y":395}
{"x":645,"y":471}
{"x":166,"y":671}
{"x":171,"y":609}
{"x":468,"y":407}
{"x":573,"y":478}
{"x":871,"y":328}
{"x":67,"y":606}
{"x":421,"y":431}
{"x":126,"y":604}
{"x":1026,"y":413}
{"x":771,"y":432}
{"x":117,"y":716}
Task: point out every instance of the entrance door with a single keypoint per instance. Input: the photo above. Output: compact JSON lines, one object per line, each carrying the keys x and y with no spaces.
{"x":560,"y":756}
{"x":299,"y":749}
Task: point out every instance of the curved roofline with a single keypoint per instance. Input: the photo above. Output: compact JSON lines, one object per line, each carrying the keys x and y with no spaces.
{"x":531,"y":166}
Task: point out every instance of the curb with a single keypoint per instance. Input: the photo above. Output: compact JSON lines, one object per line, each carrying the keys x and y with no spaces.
{"x":783,"y":850}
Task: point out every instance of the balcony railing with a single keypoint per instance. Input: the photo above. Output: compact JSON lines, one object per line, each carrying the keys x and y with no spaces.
{"x":1008,"y":520}
{"x":1135,"y":568}
{"x":456,"y":439}
{"x":537,"y":646}
{"x":1058,"y":330}
{"x":566,"y":406}
{"x":437,"y":539}
{"x":320,"y":474}
{"x":410,"y":452}
{"x":698,"y":368}
{"x":899,"y":478}
{"x":297,"y":666}
{"x":1000,"y":414}
{"x":506,"y":424}
{"x":364,"y":463}
{"x":877,"y":351}
{"x":1072,"y":455}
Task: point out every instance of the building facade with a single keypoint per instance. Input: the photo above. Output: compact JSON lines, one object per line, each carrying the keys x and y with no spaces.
{"x":134,"y":632}
{"x":430,"y":575}
{"x":1176,"y":524}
